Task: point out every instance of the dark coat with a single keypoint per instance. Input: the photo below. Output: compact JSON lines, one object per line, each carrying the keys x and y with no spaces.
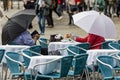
{"x":29,"y":5}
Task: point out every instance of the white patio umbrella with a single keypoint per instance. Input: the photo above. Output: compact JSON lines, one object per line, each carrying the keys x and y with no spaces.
{"x":96,"y":23}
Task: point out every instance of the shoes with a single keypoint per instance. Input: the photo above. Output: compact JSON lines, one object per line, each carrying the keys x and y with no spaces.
{"x":69,"y":23}
{"x":41,"y":33}
{"x":50,"y":26}
{"x":60,"y":18}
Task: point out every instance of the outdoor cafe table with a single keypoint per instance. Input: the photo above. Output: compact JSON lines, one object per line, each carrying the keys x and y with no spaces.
{"x":12,"y":48}
{"x":93,"y":54}
{"x":60,"y":45}
{"x":47,"y":68}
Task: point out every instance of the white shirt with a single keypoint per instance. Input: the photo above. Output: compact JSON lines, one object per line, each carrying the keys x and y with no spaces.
{"x":40,"y":3}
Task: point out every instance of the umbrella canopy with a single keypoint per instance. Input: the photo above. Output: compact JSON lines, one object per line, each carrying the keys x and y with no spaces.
{"x":95,"y":23}
{"x":17,"y":24}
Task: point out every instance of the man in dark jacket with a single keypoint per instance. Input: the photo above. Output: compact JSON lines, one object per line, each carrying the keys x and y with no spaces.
{"x":29,"y":4}
{"x":42,"y":10}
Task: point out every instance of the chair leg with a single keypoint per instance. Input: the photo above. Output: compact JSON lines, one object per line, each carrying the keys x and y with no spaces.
{"x":2,"y":72}
{"x":87,"y":75}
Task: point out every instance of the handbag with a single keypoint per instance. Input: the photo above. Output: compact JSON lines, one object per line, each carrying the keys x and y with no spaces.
{"x":73,"y":8}
{"x":46,"y":11}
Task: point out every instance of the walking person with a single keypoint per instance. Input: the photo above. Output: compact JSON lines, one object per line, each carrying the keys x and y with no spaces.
{"x":60,"y":8}
{"x":5,"y":5}
{"x":49,"y":17}
{"x":99,"y":5}
{"x":29,"y":4}
{"x":91,"y":4}
{"x":42,"y":10}
{"x":111,"y":6}
{"x":72,"y":8}
{"x":118,"y":8}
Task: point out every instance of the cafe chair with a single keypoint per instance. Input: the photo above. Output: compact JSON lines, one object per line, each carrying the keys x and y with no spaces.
{"x":65,"y":64}
{"x":27,"y":54}
{"x":117,"y":58}
{"x":84,"y":45}
{"x":36,"y":49}
{"x":43,"y":42}
{"x":106,"y":67}
{"x":75,"y":50}
{"x":114,"y":46}
{"x":118,"y":41}
{"x":104,"y":45}
{"x":79,"y":67}
{"x":44,"y":45}
{"x":2,"y":52}
{"x":14,"y":65}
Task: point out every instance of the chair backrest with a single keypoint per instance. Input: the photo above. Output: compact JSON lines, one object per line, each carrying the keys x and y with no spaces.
{"x":74,"y":50}
{"x":12,"y":59}
{"x":43,"y":42}
{"x":118,"y":41}
{"x":118,"y":59}
{"x":80,"y":62}
{"x":105,"y":64}
{"x":85,"y":45}
{"x":36,"y":48}
{"x":105,"y":45}
{"x":2,"y":51}
{"x":114,"y":46}
{"x":26,"y":56}
{"x":65,"y":65}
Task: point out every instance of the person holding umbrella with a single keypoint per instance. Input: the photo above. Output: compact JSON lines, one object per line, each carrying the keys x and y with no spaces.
{"x":26,"y":39}
{"x":17,"y":26}
{"x":93,"y":39}
{"x":97,"y":25}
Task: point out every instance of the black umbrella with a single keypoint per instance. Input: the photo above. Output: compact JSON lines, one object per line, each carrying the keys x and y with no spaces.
{"x":17,"y":24}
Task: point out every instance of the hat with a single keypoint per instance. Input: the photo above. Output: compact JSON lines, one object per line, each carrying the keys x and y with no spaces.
{"x":34,"y":32}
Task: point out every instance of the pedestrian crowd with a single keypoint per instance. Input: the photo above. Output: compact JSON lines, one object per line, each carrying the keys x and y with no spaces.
{"x":45,"y":8}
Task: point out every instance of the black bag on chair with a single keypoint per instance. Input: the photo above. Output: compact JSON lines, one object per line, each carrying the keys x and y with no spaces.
{"x":44,"y":51}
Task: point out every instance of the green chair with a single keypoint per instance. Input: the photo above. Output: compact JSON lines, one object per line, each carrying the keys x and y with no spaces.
{"x":14,"y":65}
{"x":44,"y":45}
{"x":65,"y":64}
{"x":118,"y":41}
{"x":105,"y":45}
{"x":75,"y":50}
{"x":85,"y":45}
{"x":106,"y":67}
{"x":27,"y":54}
{"x":114,"y":46}
{"x":35,"y":49}
{"x":2,"y":52}
{"x":79,"y":66}
{"x":43,"y":42}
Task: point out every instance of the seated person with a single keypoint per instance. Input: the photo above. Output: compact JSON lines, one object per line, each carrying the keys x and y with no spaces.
{"x":26,"y":39}
{"x":94,"y":40}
